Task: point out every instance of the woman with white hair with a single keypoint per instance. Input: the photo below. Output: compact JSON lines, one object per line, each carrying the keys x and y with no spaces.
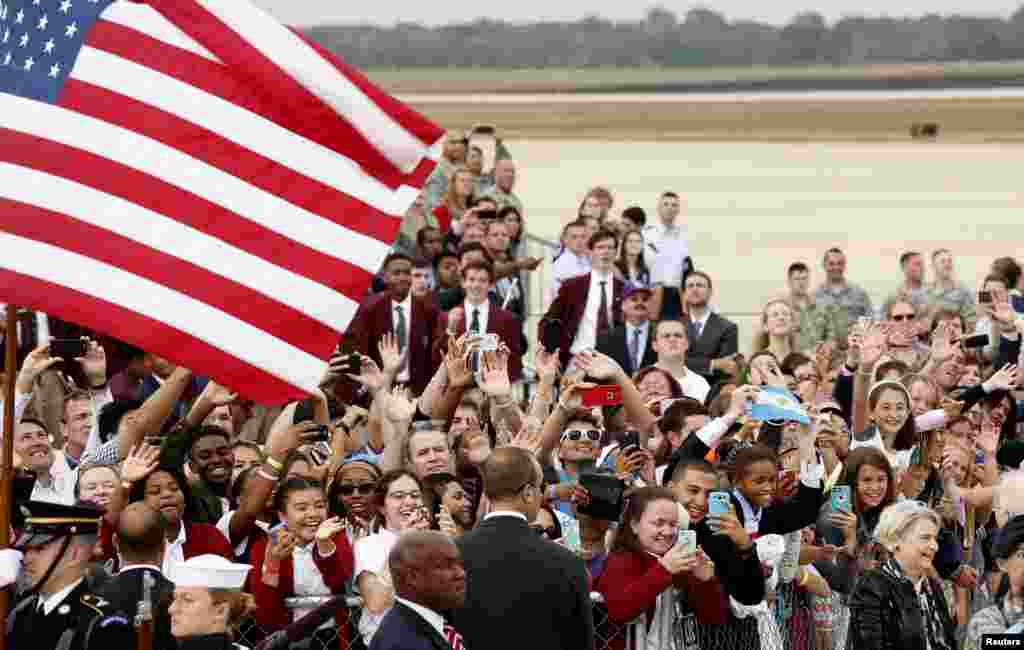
{"x":898,"y":605}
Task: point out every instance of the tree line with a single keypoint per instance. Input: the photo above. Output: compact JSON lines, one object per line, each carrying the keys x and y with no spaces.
{"x":700,"y":37}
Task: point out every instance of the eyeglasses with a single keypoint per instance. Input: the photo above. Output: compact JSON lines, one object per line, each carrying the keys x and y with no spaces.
{"x":550,"y":533}
{"x":899,"y":318}
{"x":576,"y":435}
{"x":809,"y":377}
{"x":362,"y":489}
{"x":402,"y":496}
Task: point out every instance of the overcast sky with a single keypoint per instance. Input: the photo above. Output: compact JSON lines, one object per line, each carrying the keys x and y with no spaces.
{"x":388,"y":12}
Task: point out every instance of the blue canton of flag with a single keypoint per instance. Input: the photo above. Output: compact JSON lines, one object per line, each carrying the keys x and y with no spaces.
{"x":39,"y":43}
{"x":778,"y":404}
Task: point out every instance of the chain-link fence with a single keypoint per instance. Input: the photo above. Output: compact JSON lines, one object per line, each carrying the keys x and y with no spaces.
{"x":793,"y":612}
{"x":327,"y":637}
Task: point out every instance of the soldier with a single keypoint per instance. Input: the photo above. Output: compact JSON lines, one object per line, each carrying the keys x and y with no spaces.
{"x":130,"y":609}
{"x":57,"y":544}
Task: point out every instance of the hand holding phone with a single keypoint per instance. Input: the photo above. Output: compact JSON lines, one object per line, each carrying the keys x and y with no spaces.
{"x":840,"y":496}
{"x":719,"y":503}
{"x":688,"y":541}
{"x":606,"y":395}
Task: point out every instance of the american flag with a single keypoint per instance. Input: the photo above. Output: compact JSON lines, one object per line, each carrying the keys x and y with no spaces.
{"x":196,"y":179}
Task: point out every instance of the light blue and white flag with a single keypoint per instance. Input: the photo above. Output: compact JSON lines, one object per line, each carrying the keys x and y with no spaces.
{"x":778,"y":404}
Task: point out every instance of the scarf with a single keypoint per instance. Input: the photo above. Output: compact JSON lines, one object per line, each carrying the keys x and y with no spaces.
{"x":770,"y":550}
{"x":659,"y":634}
{"x":927,"y":600}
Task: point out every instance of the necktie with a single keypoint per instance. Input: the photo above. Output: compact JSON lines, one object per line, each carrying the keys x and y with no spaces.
{"x":400,"y":326}
{"x":634,"y":349}
{"x":475,"y":325}
{"x":452,"y":636}
{"x":698,"y":327}
{"x":602,"y":311}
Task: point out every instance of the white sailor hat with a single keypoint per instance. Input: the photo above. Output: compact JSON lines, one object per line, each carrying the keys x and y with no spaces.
{"x":210,"y":571}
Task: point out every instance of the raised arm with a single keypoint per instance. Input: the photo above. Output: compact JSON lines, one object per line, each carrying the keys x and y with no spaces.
{"x":150,"y":417}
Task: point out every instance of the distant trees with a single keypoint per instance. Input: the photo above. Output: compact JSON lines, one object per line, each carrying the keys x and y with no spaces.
{"x":700,"y":37}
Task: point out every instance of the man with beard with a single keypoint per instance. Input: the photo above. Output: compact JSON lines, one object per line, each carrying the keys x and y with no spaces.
{"x":211,"y":460}
{"x":453,"y":510}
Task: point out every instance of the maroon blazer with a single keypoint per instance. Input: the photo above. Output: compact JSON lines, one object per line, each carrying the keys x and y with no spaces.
{"x":499,"y":321}
{"x":569,"y":306}
{"x":374,"y":319}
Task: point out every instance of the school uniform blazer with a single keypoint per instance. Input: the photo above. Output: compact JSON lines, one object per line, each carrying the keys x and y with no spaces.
{"x":499,"y":321}
{"x":569,"y":306}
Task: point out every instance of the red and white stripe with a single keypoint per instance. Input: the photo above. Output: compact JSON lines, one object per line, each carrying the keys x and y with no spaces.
{"x":211,"y":187}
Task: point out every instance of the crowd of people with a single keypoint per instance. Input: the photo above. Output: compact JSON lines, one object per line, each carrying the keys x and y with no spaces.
{"x":851,"y":483}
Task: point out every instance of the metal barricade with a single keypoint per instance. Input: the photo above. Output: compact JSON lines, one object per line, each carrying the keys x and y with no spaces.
{"x":326,"y":638}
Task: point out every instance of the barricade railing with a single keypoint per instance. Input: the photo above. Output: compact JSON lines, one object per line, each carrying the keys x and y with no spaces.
{"x":327,"y":637}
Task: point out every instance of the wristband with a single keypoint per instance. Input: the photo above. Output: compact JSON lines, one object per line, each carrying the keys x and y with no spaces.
{"x":275,"y":464}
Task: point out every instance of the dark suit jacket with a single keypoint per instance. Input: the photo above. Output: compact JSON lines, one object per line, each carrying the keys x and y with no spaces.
{"x":404,"y":629}
{"x":569,"y":306}
{"x":720,"y":338}
{"x":522,"y":591}
{"x":499,"y":321}
{"x":615,"y":345}
{"x":374,"y":319}
{"x":125,"y":591}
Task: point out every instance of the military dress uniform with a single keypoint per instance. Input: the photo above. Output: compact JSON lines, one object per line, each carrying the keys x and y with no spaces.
{"x":50,"y":621}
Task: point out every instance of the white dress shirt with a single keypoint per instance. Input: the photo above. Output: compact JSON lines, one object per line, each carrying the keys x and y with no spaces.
{"x":430,"y":616}
{"x":505,"y":513}
{"x":61,"y":487}
{"x":644,"y":329}
{"x":406,"y":305}
{"x":307,"y":578}
{"x":174,"y":552}
{"x":694,"y":385}
{"x":484,"y":307}
{"x":371,"y":556}
{"x":665,"y":251}
{"x":586,"y":335}
{"x":568,"y":265}
{"x":52,"y":602}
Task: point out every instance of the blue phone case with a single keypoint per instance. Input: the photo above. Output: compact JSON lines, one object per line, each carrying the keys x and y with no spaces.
{"x":718,"y":503}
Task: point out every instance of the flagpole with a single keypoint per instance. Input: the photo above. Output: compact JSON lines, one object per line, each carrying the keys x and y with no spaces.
{"x":7,"y":456}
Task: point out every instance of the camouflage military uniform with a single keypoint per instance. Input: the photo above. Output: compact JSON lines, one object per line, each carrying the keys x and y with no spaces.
{"x":848,"y":303}
{"x":957,"y":299}
{"x":821,"y":324}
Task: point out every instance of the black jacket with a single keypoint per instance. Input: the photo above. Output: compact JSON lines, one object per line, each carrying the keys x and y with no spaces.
{"x":522,"y":591}
{"x":125,"y":591}
{"x":614,"y":344}
{"x":885,"y":615}
{"x":404,"y":629}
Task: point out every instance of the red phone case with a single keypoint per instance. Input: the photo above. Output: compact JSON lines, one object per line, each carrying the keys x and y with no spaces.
{"x":609,"y":395}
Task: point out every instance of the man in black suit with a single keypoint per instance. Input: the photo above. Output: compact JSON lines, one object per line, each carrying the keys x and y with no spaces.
{"x":140,"y":539}
{"x":630,"y":344}
{"x":429,"y":579}
{"x":522,"y":591}
{"x":714,"y":340}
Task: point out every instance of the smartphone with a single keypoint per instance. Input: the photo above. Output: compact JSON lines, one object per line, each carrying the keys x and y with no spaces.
{"x":489,"y":343}
{"x":841,"y":498}
{"x":608,"y":395}
{"x":551,"y":335}
{"x":984,"y":297}
{"x":719,"y":503}
{"x":352,"y":364}
{"x":67,"y":349}
{"x":688,"y":540}
{"x":976,"y":341}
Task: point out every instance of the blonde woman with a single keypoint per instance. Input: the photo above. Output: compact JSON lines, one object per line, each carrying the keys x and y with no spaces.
{"x":778,"y":333}
{"x":456,"y":200}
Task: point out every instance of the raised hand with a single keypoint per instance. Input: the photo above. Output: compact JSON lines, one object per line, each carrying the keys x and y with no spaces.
{"x":141,"y":460}
{"x":334,"y":371}
{"x":874,"y":345}
{"x":400,"y":407}
{"x":370,"y":375}
{"x":546,"y":364}
{"x":329,"y":528}
{"x":728,"y":524}
{"x":528,"y":437}
{"x":741,"y":397}
{"x":823,"y":356}
{"x":678,"y":560}
{"x":1004,"y":380}
{"x":282,"y":547}
{"x":283,"y":441}
{"x":597,"y":365}
{"x":455,"y":318}
{"x":218,"y":395}
{"x":94,"y":363}
{"x":846,"y":523}
{"x":944,"y":344}
{"x":460,"y":373}
{"x":390,"y":356}
{"x":988,"y":440}
{"x":951,"y":408}
{"x":854,"y":343}
{"x":446,"y":523}
{"x":35,"y":363}
{"x":571,"y":389}
{"x":705,"y":569}
{"x":493,"y":378}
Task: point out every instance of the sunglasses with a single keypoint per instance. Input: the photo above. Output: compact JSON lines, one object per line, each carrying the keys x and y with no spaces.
{"x":575,"y":435}
{"x":899,"y":318}
{"x":362,"y":489}
{"x":550,"y":533}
